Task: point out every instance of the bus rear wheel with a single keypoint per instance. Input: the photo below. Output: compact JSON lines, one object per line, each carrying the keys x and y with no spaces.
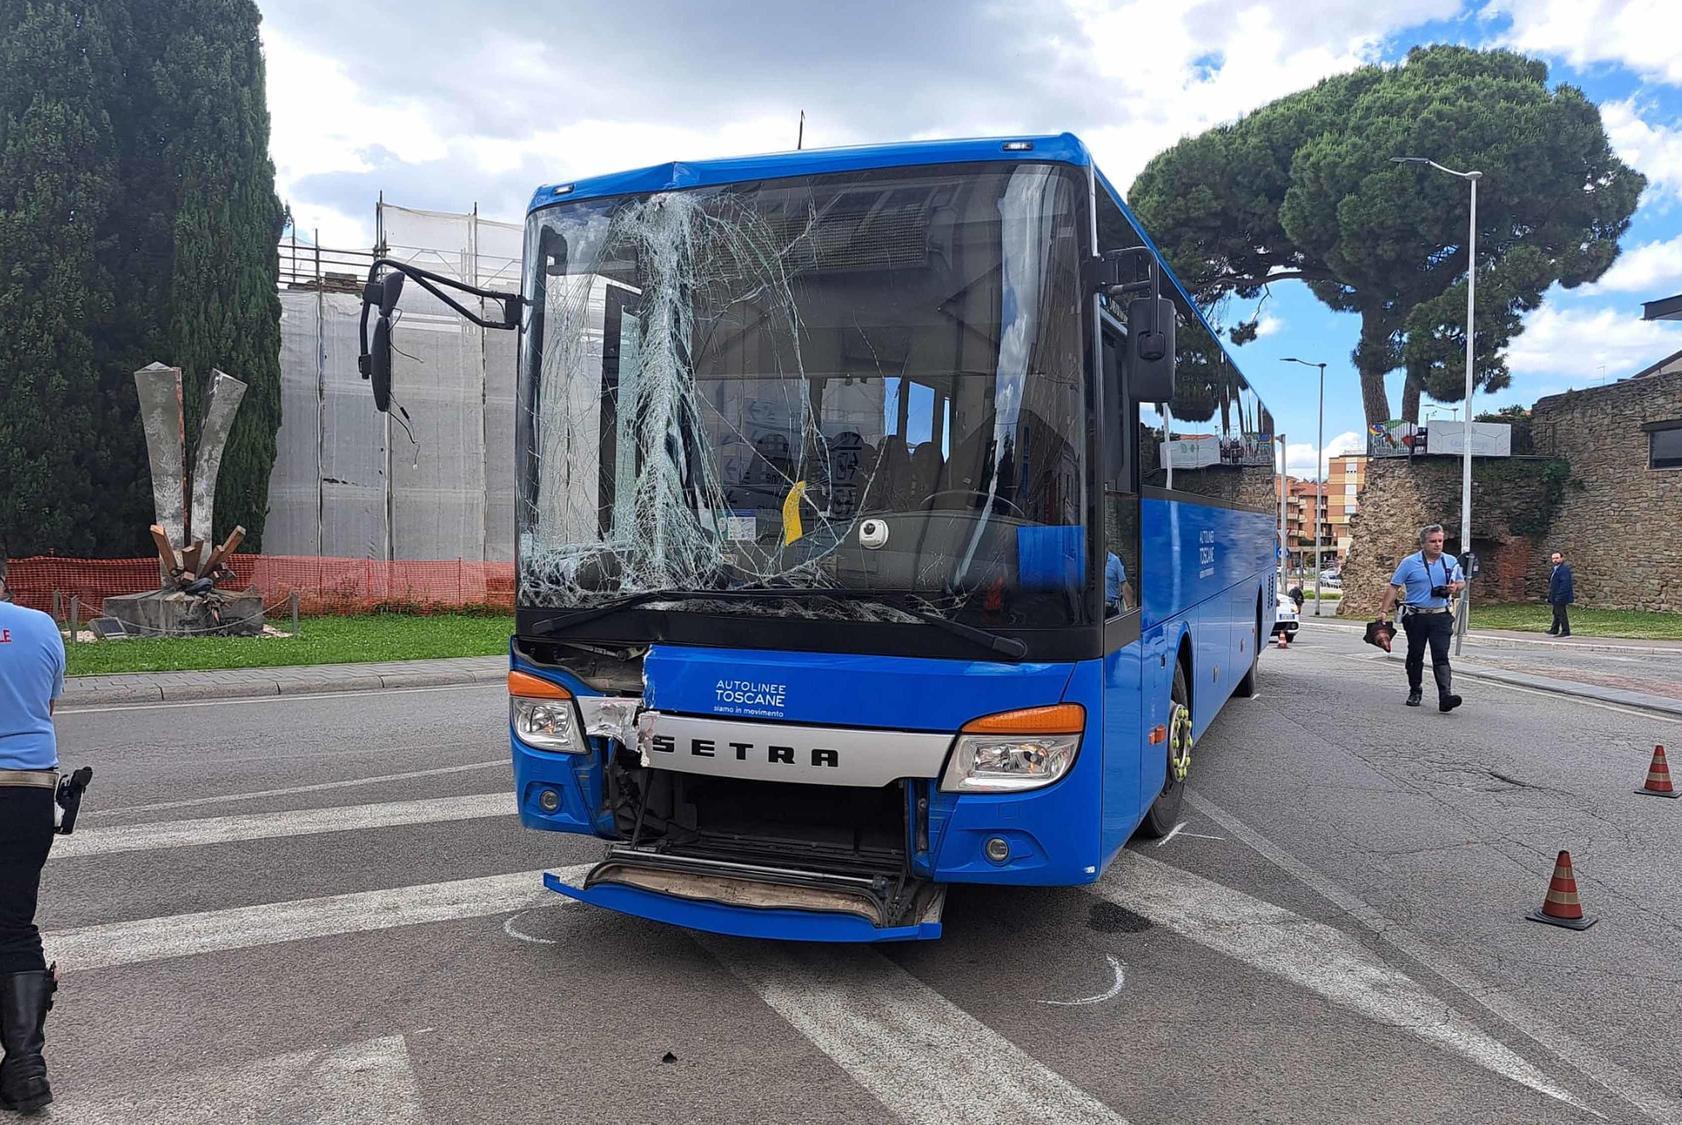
{"x":1165,"y":810}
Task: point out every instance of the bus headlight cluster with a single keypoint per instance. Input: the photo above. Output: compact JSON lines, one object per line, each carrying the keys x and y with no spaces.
{"x":543,"y":715}
{"x":1015,"y":750}
{"x":1005,"y":765}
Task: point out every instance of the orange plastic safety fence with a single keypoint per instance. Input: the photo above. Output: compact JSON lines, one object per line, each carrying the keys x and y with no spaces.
{"x":323,"y":585}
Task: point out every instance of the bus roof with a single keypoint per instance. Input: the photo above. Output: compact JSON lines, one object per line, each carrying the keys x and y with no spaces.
{"x":1059,"y":148}
{"x":1064,"y":148}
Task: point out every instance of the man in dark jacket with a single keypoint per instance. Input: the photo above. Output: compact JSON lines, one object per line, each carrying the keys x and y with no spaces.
{"x":1562,"y":592}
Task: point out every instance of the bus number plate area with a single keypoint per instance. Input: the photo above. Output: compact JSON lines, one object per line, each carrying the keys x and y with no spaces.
{"x":780,"y":752}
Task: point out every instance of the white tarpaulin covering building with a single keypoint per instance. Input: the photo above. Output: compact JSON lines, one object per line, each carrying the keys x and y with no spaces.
{"x":349,"y":482}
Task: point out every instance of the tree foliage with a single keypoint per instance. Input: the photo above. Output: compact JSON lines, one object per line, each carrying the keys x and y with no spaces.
{"x":1305,"y":188}
{"x":138,"y":222}
{"x":58,"y":177}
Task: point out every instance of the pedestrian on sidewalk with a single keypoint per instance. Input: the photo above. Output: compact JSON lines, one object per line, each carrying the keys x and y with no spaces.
{"x":1562,"y":591}
{"x":31,"y":680}
{"x":1426,"y":584}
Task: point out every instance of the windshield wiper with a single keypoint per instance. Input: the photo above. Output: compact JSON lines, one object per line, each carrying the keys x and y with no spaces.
{"x":591,"y":613}
{"x":1008,"y":647}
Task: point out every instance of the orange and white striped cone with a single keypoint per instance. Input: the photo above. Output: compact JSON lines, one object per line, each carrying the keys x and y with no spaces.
{"x":1561,"y":907}
{"x":1658,"y":777}
{"x":1284,"y":639}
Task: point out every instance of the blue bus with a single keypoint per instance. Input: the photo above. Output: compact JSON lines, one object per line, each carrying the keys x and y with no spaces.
{"x":887,"y":518}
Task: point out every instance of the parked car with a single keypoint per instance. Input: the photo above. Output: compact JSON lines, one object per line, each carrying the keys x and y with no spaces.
{"x":1287,"y":620}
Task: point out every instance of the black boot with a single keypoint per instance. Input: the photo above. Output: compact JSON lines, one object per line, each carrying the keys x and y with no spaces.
{"x":1414,"y":696}
{"x":24,"y":1001}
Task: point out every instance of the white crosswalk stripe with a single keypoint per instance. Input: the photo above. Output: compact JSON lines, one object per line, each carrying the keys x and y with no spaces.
{"x":181,"y":935}
{"x":267,"y":826}
{"x":350,"y":1085}
{"x":1309,"y":954}
{"x":918,"y":1053}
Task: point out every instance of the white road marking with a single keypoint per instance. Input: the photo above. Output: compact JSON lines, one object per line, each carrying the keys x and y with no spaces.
{"x":1118,"y":967}
{"x":924,"y":1058}
{"x":1618,"y":1081}
{"x":319,"y":787}
{"x":290,"y":697}
{"x":268,"y":826}
{"x":514,"y":931}
{"x":1309,"y":954}
{"x":369,"y":1081}
{"x":1172,"y":832}
{"x":183,"y":935}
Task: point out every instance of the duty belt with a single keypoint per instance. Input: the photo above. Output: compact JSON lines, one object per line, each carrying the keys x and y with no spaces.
{"x":1408,"y":610}
{"x":29,"y":779}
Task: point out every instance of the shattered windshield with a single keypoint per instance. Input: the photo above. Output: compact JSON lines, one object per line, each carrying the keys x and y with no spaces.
{"x":867,"y":382}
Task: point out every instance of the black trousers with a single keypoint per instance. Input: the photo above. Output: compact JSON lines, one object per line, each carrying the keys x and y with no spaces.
{"x":1435,"y":630}
{"x":26,"y":835}
{"x":1562,"y":618}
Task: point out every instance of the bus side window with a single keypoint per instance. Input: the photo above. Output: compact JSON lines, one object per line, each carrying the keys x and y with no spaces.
{"x":1121,"y":494}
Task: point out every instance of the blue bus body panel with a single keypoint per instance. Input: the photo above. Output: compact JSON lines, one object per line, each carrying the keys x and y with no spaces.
{"x":1211,"y":565}
{"x":843,"y":689}
{"x":739,"y":921}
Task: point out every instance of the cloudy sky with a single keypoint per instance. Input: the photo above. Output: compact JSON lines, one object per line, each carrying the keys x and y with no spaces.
{"x":444,"y":104}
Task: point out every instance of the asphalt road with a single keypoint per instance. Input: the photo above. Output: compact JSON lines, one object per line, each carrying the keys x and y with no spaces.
{"x":323,"y":910}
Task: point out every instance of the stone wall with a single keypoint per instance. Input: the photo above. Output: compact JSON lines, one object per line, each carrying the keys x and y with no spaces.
{"x":1621,"y":530}
{"x":1513,"y":502}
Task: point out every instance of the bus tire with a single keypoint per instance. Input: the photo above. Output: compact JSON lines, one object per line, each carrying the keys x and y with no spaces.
{"x":1164,"y":812}
{"x":1247,"y":686}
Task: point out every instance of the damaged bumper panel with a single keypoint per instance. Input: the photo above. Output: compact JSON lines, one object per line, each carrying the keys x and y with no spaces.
{"x":747,"y":900}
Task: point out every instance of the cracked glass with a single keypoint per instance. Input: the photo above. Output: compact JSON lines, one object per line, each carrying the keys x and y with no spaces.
{"x":863,"y":383}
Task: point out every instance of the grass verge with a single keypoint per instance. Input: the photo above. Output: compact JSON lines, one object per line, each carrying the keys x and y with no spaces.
{"x":1535,"y":618}
{"x":320,"y":640}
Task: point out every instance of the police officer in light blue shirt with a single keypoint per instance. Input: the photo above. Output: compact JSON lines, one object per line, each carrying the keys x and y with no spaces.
{"x":1118,"y":596}
{"x":1426,"y":584}
{"x":31,"y":679}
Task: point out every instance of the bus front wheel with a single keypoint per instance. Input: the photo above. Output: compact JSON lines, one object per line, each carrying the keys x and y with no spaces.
{"x":1165,"y":810}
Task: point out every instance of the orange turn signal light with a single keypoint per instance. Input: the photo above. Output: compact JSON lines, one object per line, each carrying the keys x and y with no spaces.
{"x":1060,"y":718}
{"x":528,"y":686}
{"x":1159,"y":734}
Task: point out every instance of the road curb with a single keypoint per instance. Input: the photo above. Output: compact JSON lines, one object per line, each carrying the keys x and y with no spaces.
{"x":1639,"y":700}
{"x":145,"y":690}
{"x":1476,"y":639}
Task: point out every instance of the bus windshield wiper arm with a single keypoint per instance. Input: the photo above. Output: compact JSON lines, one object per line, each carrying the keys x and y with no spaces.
{"x":1008,"y":647}
{"x":590,"y":613}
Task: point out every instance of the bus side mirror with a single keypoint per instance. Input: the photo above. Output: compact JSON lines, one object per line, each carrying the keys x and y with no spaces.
{"x":1150,"y":349}
{"x":379,"y":362}
{"x":391,"y":288}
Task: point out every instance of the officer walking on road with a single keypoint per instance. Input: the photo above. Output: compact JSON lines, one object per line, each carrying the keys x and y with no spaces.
{"x":31,"y":679}
{"x":1426,"y":583}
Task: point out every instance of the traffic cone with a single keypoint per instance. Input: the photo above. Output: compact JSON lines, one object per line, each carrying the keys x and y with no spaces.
{"x":1560,"y":906}
{"x":1658,"y":777}
{"x":1284,"y":639}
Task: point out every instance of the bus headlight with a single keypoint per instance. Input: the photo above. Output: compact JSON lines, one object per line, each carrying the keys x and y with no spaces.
{"x":1015,"y":750}
{"x":543,"y":715}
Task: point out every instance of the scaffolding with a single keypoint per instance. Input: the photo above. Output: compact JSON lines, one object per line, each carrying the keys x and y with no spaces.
{"x":437,"y":481}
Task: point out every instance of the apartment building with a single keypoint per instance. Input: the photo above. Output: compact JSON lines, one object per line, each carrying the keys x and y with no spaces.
{"x":1344,"y":485}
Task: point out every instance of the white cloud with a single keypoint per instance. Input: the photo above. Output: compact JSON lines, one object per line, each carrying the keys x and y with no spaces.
{"x":1655,"y":150}
{"x":1653,"y":269}
{"x":1639,"y":34}
{"x":1578,"y":343}
{"x":1269,"y":326}
{"x":1299,"y":456}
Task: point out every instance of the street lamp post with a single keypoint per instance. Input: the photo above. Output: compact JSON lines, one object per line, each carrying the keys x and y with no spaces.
{"x":1320,"y":474}
{"x":1466,"y":434}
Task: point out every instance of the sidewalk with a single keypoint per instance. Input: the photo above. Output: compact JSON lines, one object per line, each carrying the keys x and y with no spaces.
{"x":254,"y":683}
{"x":1512,"y":638}
{"x":1646,"y":677}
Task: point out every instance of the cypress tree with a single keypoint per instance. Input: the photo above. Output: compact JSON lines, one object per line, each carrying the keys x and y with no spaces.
{"x":222,"y":299}
{"x":57,"y":180}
